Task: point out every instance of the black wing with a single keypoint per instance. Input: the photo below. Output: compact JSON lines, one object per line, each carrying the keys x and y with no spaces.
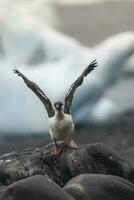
{"x":77,"y":83}
{"x":38,"y":92}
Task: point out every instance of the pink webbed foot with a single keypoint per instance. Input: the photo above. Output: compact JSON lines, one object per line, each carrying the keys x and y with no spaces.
{"x":72,"y":144}
{"x":56,"y":150}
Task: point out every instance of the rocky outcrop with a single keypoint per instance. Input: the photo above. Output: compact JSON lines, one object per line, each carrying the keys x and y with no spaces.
{"x":36,"y":187}
{"x":99,"y":186}
{"x":92,"y":158}
{"x":35,"y":172}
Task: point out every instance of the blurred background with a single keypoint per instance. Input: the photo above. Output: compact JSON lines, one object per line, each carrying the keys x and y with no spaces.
{"x":51,"y":42}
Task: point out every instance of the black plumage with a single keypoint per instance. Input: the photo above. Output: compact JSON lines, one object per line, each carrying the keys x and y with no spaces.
{"x":69,"y":96}
{"x":77,"y":83}
{"x":35,"y":88}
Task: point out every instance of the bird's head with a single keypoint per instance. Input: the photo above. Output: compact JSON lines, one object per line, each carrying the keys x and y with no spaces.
{"x":58,"y":106}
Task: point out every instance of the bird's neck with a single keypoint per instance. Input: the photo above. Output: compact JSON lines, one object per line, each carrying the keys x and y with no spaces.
{"x":59,"y":114}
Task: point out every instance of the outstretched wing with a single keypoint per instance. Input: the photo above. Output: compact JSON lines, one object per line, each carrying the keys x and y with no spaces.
{"x":77,"y":83}
{"x":38,"y":92}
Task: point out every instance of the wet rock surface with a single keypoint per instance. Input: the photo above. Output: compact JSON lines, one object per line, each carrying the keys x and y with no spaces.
{"x":92,"y":158}
{"x":97,"y":160}
{"x":100,"y":187}
{"x":36,"y":187}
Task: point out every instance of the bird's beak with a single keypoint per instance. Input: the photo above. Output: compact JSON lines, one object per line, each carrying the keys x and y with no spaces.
{"x":58,"y":106}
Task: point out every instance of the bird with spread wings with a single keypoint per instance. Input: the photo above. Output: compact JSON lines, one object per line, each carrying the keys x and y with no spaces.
{"x":61,"y":124}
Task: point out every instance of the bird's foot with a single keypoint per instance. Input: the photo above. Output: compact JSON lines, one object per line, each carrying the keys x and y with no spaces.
{"x":72,"y":144}
{"x":56,"y":150}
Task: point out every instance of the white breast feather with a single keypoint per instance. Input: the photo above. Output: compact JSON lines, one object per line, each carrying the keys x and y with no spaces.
{"x":61,"y":129}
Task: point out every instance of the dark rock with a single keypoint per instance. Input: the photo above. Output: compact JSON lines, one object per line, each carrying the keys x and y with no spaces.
{"x":129,"y":155}
{"x":36,"y":187}
{"x":100,"y":187}
{"x":94,"y":158}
